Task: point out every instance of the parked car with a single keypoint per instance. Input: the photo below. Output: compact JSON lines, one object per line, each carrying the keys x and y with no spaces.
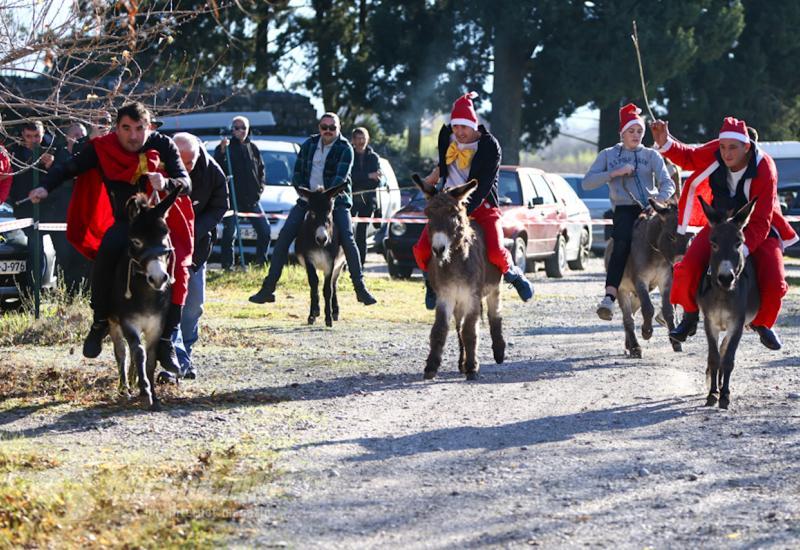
{"x":541,"y":222}
{"x":279,"y":196}
{"x":789,"y":199}
{"x":15,"y":271}
{"x":599,"y":208}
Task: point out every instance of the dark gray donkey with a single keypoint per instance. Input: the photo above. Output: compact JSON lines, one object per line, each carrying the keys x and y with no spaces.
{"x":318,"y":247}
{"x":728,"y":297}
{"x":461,"y":276}
{"x":142,"y":293}
{"x":655,"y":247}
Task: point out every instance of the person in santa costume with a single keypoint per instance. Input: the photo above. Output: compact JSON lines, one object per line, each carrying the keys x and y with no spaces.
{"x":728,"y":172}
{"x":468,"y":151}
{"x":111,"y":169}
{"x":634,"y":174}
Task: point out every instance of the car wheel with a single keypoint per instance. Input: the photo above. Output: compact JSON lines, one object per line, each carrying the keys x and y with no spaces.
{"x":579,"y":263}
{"x":520,"y":255}
{"x":556,"y":265}
{"x":398,"y":271}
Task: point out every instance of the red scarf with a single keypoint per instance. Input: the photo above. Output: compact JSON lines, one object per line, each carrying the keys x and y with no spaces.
{"x":90,"y":214}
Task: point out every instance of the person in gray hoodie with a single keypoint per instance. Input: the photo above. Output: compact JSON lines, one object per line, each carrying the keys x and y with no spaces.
{"x":634,"y":174}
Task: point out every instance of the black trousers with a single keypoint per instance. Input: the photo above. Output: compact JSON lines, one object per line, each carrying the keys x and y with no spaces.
{"x":110,"y":253}
{"x":364,"y":208}
{"x":622,"y":233}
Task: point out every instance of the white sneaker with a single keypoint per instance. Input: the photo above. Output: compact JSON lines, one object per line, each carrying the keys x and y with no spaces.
{"x":606,"y":308}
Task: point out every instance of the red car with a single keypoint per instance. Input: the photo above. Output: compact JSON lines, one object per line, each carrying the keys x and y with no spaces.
{"x":543,"y":220}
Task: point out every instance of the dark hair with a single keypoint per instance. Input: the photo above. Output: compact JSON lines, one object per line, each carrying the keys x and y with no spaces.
{"x":752,"y":133}
{"x":33,"y":126}
{"x":135,"y":111}
{"x":361,"y":131}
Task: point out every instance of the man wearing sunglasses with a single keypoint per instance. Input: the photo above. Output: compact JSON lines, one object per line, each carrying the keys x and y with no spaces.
{"x":248,"y":183}
{"x":324,"y":162}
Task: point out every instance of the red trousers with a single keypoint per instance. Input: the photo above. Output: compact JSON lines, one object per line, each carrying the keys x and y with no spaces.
{"x":767,"y":259}
{"x":488,"y":217}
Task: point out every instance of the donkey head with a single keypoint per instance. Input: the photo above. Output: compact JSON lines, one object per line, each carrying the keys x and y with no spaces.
{"x":727,"y":239}
{"x":670,"y":243}
{"x":148,"y":237}
{"x":448,"y":224}
{"x":320,"y":211}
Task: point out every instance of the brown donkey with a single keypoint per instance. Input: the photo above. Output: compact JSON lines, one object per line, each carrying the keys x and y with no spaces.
{"x":461,"y":275}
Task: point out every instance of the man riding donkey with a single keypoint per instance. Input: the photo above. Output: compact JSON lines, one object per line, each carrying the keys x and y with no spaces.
{"x":127,"y":161}
{"x":468,"y":151}
{"x":634,"y":174}
{"x":728,"y":172}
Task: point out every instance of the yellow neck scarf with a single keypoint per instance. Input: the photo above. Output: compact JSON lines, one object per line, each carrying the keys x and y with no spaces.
{"x":463,"y":156}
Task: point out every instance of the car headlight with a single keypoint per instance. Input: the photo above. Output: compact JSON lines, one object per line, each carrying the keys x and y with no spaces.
{"x":398,"y":229}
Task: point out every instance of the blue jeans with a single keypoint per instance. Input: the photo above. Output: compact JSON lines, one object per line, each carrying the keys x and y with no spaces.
{"x":280,"y":254}
{"x":185,"y":335}
{"x":260,"y":224}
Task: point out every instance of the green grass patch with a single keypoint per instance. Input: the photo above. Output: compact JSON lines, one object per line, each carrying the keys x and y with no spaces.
{"x":793,"y":281}
{"x":134,"y":502}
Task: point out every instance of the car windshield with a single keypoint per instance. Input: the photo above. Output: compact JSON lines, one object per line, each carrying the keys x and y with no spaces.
{"x":788,"y":170}
{"x":279,"y":167}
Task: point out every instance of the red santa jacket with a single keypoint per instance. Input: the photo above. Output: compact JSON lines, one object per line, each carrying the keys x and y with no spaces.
{"x":703,"y":162}
{"x":5,"y":174}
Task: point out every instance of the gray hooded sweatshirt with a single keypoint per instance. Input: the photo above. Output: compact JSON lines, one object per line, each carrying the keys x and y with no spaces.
{"x":653,"y":179}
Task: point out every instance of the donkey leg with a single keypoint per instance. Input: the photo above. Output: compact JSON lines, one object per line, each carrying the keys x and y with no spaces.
{"x":643,"y":292}
{"x":712,"y":367}
{"x":471,"y":336}
{"x":313,"y":286}
{"x":462,"y":355}
{"x":631,"y":343}
{"x":121,"y":355}
{"x":667,"y":311}
{"x":327,"y":292}
{"x":334,"y":294}
{"x":138,"y":359}
{"x":151,"y":369}
{"x":438,"y":337}
{"x":729,"y":347}
{"x":494,"y":304}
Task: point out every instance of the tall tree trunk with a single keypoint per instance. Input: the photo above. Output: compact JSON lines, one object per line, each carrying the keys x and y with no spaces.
{"x":609,"y":126}
{"x":263,"y":65}
{"x":414,"y":137}
{"x":510,"y":57}
{"x":326,"y":54}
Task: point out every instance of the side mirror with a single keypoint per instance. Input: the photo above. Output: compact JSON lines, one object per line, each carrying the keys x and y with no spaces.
{"x":535,"y":201}
{"x":505,"y":201}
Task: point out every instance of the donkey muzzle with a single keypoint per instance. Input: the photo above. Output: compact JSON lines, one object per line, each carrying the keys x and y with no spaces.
{"x":157,"y":275}
{"x":726,"y":279}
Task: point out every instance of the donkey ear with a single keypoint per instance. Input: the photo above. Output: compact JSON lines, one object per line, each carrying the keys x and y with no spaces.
{"x":462,"y":192}
{"x":134,"y":205}
{"x":161,"y":208}
{"x":335,"y":191}
{"x":304,"y":192}
{"x":711,"y":213}
{"x":428,"y":190}
{"x":660,"y":209}
{"x":743,"y":215}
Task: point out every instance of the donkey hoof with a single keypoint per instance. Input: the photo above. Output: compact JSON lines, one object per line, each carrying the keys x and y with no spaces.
{"x":647,"y":332}
{"x":676,"y":346}
{"x":156,"y":406}
{"x":724,"y":401}
{"x":711,"y":400}
{"x":328,"y":322}
{"x":499,"y":354}
{"x":472,"y":375}
{"x":335,"y":315}
{"x":311,"y":319}
{"x":636,"y":353}
{"x":166,"y":377}
{"x":429,"y":374}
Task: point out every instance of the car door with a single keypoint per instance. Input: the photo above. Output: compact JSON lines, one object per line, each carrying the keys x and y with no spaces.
{"x":544,"y":215}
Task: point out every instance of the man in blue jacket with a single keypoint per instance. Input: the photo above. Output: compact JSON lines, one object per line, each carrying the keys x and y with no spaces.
{"x":324,"y":162}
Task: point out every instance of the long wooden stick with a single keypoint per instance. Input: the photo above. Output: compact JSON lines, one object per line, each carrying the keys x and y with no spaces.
{"x":635,"y":38}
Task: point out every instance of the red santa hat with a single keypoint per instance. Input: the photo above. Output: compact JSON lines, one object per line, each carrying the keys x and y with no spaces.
{"x":733,"y":128}
{"x":464,"y":112}
{"x":628,"y":116}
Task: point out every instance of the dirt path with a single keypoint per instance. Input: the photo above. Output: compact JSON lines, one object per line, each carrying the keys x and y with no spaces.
{"x":569,"y":443}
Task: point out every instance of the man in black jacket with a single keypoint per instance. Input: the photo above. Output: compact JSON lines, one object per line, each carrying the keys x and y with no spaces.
{"x":248,"y":183}
{"x":366,"y":175}
{"x":210,"y":201}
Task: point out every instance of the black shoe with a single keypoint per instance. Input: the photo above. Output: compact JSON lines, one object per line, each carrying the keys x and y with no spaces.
{"x":165,"y":353}
{"x":93,"y":344}
{"x":686,"y":328}
{"x":768,"y":337}
{"x":189,"y":372}
{"x":523,"y":286}
{"x":430,"y":296}
{"x":363,"y":295}
{"x":265,"y":294}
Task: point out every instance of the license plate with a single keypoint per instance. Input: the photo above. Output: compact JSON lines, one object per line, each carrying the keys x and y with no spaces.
{"x":10,"y":267}
{"x":248,"y":233}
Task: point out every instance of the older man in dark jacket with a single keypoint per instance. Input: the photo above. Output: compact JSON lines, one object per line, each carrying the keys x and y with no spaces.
{"x":247,"y":169}
{"x":210,"y":201}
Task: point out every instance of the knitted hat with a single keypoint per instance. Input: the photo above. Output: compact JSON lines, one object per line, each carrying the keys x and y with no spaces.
{"x":628,"y":116}
{"x":733,"y":128}
{"x":464,"y":112}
